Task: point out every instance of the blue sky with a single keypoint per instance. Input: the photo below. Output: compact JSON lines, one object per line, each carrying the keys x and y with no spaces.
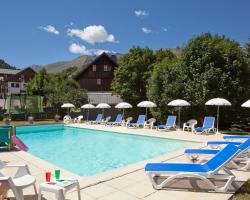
{"x":46,"y":31}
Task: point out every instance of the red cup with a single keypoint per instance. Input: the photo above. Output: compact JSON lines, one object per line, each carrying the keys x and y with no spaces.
{"x":47,"y":176}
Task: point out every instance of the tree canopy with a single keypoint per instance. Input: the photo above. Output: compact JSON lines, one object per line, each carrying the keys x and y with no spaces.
{"x":57,"y":89}
{"x":131,"y":76}
{"x":208,"y":66}
{"x":214,"y":66}
{"x":165,"y":84}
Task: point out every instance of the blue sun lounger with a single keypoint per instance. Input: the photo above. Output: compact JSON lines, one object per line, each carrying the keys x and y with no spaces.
{"x":170,"y":123}
{"x":213,"y":169}
{"x":140,"y":122}
{"x":98,"y":119}
{"x":117,"y":121}
{"x":242,"y":162}
{"x":208,"y":126}
{"x":236,"y":137}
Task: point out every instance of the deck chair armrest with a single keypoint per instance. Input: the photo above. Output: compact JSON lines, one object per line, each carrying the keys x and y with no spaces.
{"x":5,"y":178}
{"x":15,"y":165}
{"x":22,"y":169}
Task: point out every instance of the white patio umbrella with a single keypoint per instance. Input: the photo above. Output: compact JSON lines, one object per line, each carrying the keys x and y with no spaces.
{"x":88,"y":106}
{"x":146,"y":104}
{"x":103,"y":106}
{"x":67,"y":105}
{"x":179,"y":103}
{"x":123,"y":105}
{"x":246,"y":104}
{"x":218,"y":102}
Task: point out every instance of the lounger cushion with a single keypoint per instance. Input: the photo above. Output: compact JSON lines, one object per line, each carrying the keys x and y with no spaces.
{"x":223,"y":142}
{"x":237,"y":137}
{"x":161,"y":126}
{"x":174,"y":167}
{"x":201,"y":151}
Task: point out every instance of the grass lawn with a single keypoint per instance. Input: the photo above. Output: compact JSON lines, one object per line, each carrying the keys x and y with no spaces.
{"x":19,"y":123}
{"x":243,"y":193}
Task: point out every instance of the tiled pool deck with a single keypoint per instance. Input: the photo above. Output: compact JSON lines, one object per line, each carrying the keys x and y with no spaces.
{"x":130,"y":182}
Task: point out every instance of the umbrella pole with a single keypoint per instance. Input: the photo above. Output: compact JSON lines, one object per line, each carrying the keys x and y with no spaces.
{"x":123,"y":113}
{"x":103,"y":112}
{"x":179,"y":116}
{"x":146,"y":113}
{"x":218,"y":110}
{"x":88,"y":115}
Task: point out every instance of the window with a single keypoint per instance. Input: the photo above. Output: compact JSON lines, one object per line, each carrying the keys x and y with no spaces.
{"x":107,"y":68}
{"x":14,"y":85}
{"x":94,"y":68}
{"x":98,"y":81}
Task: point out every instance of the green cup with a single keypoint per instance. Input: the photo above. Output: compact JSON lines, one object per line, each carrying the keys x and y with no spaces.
{"x":57,"y":174}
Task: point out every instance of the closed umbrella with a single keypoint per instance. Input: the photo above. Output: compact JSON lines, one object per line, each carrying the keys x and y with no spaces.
{"x":67,"y":105}
{"x":179,"y":103}
{"x":146,"y":104}
{"x":218,"y":102}
{"x":88,"y":106}
{"x":246,"y":104}
{"x":123,"y":105}
{"x":103,"y":106}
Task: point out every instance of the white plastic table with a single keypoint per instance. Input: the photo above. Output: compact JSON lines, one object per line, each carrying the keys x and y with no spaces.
{"x":58,"y":190}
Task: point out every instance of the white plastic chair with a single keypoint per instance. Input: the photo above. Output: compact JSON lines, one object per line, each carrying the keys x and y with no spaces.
{"x":189,"y":125}
{"x":20,"y":181}
{"x":78,"y":119}
{"x":150,"y":123}
{"x":67,"y":119}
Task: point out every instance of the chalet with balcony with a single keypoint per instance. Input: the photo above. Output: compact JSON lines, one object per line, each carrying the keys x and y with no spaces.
{"x":14,"y":81}
{"x":96,"y":78}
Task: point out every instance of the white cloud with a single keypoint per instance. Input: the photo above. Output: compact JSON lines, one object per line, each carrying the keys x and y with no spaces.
{"x":81,"y":49}
{"x":92,"y":34}
{"x":100,"y":51}
{"x":165,"y":29}
{"x":49,"y":29}
{"x":146,"y":30}
{"x":78,"y":49}
{"x":140,"y":13}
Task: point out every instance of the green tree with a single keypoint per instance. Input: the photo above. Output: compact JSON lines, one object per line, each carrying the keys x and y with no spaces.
{"x":247,"y":48}
{"x":38,"y":85}
{"x":165,"y":84}
{"x":215,"y":66}
{"x":131,"y":75}
{"x":57,"y":89}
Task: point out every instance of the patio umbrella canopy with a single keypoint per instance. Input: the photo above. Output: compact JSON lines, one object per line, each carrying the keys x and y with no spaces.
{"x":179,"y":103}
{"x":103,"y":106}
{"x":246,"y":104}
{"x":123,"y":106}
{"x":218,"y":102}
{"x":88,"y":106}
{"x":146,"y":104}
{"x":67,"y":105}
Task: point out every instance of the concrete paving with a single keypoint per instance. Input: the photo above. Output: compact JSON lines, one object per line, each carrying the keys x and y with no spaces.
{"x":128,"y":182}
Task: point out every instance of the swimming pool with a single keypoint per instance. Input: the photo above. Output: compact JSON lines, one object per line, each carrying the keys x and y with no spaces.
{"x":87,"y":152}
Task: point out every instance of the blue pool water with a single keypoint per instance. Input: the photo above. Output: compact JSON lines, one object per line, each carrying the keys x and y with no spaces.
{"x":87,"y":152}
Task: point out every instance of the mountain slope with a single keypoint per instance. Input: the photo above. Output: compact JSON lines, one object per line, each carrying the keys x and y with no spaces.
{"x":78,"y":62}
{"x":5,"y":65}
{"x":63,"y":65}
